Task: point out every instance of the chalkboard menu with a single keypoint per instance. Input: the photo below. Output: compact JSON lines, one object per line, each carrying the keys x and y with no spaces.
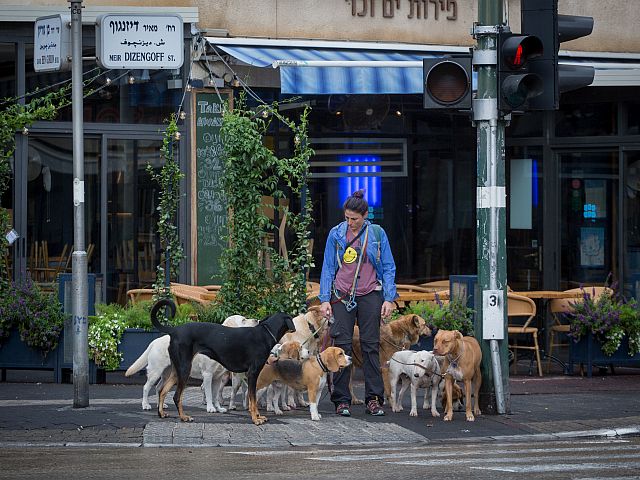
{"x":208,"y":203}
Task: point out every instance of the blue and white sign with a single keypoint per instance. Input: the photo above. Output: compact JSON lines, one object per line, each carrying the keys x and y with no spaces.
{"x":139,"y":41}
{"x":52,"y":43}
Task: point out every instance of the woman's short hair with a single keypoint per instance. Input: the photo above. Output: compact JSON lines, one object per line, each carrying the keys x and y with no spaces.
{"x":356,"y":203}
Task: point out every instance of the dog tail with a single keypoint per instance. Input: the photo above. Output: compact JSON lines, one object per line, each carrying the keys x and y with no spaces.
{"x":155,"y":310}
{"x":140,"y":363}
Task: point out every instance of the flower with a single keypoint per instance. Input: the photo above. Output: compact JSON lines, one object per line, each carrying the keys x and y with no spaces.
{"x":609,"y":318}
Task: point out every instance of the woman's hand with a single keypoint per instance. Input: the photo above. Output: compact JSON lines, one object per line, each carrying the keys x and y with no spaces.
{"x":325,"y":308}
{"x":387,"y":308}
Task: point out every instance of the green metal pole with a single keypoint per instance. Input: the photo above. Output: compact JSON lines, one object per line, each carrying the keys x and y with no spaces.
{"x":490,"y":207}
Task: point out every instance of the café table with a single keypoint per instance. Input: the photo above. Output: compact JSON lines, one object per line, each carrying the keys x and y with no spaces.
{"x":405,"y":298}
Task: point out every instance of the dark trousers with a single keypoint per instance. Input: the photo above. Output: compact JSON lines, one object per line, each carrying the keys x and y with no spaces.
{"x":368,"y":314}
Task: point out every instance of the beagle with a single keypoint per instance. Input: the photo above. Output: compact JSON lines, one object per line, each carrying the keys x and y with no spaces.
{"x":310,"y":375}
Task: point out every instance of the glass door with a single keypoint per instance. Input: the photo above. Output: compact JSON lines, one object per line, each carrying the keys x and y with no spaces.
{"x":631,"y":242}
{"x":132,"y":196}
{"x":589,"y":211}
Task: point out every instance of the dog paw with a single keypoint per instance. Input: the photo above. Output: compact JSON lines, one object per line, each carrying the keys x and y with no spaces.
{"x":286,"y":408}
{"x":146,"y":406}
{"x":396,"y":409}
{"x":278,"y":412}
{"x":435,"y":413}
{"x":316,"y":417}
{"x":413,"y":413}
{"x":448,"y":417}
{"x":232,"y":407}
{"x":221,"y":410}
{"x":186,"y":418}
{"x":259,"y":420}
{"x":269,"y":408}
{"x":470,"y":417}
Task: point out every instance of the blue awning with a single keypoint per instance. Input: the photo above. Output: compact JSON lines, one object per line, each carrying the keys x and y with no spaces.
{"x":319,"y":80}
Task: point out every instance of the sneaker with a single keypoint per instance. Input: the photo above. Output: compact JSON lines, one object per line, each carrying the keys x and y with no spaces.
{"x":373,"y":408}
{"x":343,"y":409}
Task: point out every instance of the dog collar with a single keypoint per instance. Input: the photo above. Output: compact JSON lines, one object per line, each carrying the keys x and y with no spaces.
{"x":321,"y":363}
{"x":272,"y":335}
{"x":312,"y":329}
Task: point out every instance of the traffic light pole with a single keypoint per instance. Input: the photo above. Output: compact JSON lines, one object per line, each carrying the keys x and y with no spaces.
{"x":491,"y":211}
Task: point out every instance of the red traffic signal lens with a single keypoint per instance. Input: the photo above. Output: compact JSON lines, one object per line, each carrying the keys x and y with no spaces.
{"x":447,"y":83}
{"x":517,"y":50}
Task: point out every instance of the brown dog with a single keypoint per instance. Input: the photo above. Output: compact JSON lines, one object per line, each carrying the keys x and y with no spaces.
{"x":462,"y":358}
{"x":397,"y":335}
{"x":310,"y":328}
{"x":310,"y":375}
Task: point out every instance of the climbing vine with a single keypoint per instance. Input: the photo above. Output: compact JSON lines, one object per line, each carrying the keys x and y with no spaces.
{"x":252,"y":171}
{"x":168,"y":180}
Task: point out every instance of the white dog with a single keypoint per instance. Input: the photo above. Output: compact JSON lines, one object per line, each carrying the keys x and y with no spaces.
{"x":419,"y":369}
{"x":214,"y":376}
{"x":156,"y":359}
{"x":238,"y":380}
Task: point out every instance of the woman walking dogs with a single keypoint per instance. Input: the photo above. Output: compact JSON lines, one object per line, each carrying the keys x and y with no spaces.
{"x":358,"y":281}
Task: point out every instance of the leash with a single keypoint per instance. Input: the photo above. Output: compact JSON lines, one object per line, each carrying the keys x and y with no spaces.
{"x":315,"y":333}
{"x":418,"y":365}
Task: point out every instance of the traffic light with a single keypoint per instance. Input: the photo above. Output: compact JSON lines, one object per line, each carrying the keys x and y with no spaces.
{"x":517,"y":85}
{"x":447,"y":82}
{"x":540,"y":18}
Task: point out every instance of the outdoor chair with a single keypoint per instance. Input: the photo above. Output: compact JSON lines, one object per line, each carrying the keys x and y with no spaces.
{"x":519,"y":307}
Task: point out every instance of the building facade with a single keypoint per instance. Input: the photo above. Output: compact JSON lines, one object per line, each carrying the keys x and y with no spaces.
{"x":573,"y":176}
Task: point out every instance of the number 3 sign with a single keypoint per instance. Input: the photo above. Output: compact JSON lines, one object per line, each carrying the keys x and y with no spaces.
{"x":492,"y":315}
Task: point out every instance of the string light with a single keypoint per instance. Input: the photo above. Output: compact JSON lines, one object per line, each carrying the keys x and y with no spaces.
{"x":183,"y":115}
{"x":177,"y":136}
{"x":188,"y":87}
{"x":25,"y":131}
{"x":132,"y":80}
{"x":108,"y":81}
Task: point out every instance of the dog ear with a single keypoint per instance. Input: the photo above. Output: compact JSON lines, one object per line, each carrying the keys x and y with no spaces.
{"x":416,"y":320}
{"x":458,"y":335}
{"x":330,"y":360}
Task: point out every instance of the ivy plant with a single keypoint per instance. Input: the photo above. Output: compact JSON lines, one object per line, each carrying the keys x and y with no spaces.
{"x":252,"y":171}
{"x":168,"y":180}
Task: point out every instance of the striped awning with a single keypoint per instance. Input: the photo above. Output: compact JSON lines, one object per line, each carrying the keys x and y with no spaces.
{"x":299,"y":75}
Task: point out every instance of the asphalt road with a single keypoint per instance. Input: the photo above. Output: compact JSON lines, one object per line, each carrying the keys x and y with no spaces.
{"x":576,"y":459}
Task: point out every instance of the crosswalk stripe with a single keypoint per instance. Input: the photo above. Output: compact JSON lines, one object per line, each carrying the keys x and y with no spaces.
{"x":461,"y":461}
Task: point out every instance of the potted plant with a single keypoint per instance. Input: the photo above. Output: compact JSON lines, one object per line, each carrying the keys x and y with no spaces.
{"x":118,"y":335}
{"x":604,"y":330}
{"x":454,"y":315}
{"x":31,"y":322}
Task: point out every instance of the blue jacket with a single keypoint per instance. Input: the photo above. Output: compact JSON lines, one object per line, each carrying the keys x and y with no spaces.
{"x":378,"y":253}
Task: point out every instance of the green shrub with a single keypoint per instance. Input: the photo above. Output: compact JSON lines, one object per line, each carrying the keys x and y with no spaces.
{"x":452,"y":316}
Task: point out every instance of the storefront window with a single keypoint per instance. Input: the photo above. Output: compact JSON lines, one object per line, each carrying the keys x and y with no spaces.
{"x":50,"y":224}
{"x":632,"y":224}
{"x":525,"y":239}
{"x":529,"y":125}
{"x":588,"y":217}
{"x":121,"y":96}
{"x":133,"y":246}
{"x":579,"y":116}
{"x":633,"y":118}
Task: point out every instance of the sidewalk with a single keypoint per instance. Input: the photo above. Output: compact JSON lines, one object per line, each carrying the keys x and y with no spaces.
{"x":34,"y":411}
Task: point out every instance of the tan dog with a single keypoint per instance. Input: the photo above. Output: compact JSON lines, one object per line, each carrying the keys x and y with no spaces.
{"x":310,"y":375}
{"x":462,"y":358}
{"x":310,"y":329}
{"x":397,"y":335}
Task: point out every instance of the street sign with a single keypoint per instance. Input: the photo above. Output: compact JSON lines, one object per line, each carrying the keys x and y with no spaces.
{"x":139,"y":41}
{"x":492,"y":315}
{"x":52,"y":44}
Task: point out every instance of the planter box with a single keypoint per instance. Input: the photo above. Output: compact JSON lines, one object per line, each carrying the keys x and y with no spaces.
{"x":133,"y":343}
{"x":15,"y":354}
{"x":588,"y":351}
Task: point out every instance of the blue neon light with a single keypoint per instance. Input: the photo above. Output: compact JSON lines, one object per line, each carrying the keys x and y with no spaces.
{"x":349,"y":183}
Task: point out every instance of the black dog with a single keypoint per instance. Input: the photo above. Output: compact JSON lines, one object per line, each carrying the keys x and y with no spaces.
{"x":237,"y":349}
